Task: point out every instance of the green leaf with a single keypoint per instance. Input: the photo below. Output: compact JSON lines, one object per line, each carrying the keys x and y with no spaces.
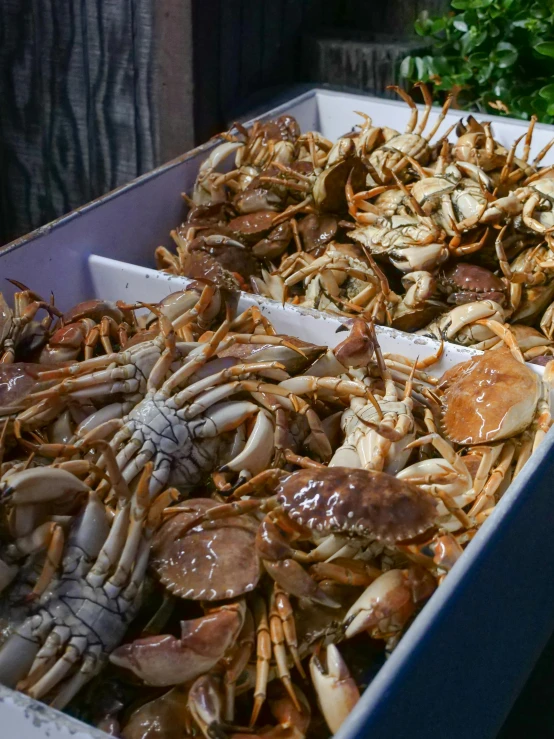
{"x":547,"y":92}
{"x":485,"y":72}
{"x":546,"y":48}
{"x":438,"y":24}
{"x":407,"y":68}
{"x":501,"y":89}
{"x":420,"y":69}
{"x":471,"y":40}
{"x":460,"y":4}
{"x":505,"y":54}
{"x":422,"y":27}
{"x":460,"y":26}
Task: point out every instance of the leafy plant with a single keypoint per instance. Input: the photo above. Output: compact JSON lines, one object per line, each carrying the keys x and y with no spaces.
{"x":493,"y":53}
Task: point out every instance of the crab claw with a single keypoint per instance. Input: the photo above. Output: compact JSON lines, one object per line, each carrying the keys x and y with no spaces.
{"x":355,"y":351}
{"x":205,"y":705}
{"x":165,"y":660}
{"x":385,"y":606}
{"x":41,"y":485}
{"x":292,"y":577}
{"x":337,"y":692}
{"x":29,"y":490}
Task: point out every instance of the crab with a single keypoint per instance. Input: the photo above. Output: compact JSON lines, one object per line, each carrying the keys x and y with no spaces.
{"x":530,"y":278}
{"x":409,"y":242}
{"x":213,"y":565}
{"x":391,"y":157}
{"x":492,"y":397}
{"x":377,"y":433}
{"x":206,"y":564}
{"x":339,"y":280}
{"x":418,"y":306}
{"x":19,"y":332}
{"x":467,"y":283}
{"x":86,"y":325}
{"x":84,"y":616}
{"x":467,"y":325}
{"x":312,"y":503}
{"x":476,"y":145}
{"x":187,"y":430}
{"x":537,"y":196}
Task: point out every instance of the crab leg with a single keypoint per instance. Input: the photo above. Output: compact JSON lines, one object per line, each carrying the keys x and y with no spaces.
{"x":184,"y":396}
{"x":54,"y":556}
{"x":309,"y":384}
{"x":138,"y":511}
{"x":284,"y":609}
{"x":441,"y":117}
{"x":413,"y":107}
{"x":489,"y":457}
{"x":263,"y":657}
{"x":486,"y":497}
{"x":278,"y":644}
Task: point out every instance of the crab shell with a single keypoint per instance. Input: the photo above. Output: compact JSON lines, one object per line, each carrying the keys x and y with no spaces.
{"x":356,"y":501}
{"x":490,"y":398}
{"x":466,"y":283}
{"x":206,"y":564}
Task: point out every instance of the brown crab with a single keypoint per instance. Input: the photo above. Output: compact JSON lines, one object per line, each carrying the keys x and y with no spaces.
{"x":312,"y":503}
{"x":490,"y":398}
{"x":466,"y":283}
{"x":206,"y":564}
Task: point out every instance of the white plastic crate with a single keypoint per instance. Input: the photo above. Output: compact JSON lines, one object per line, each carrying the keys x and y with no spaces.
{"x":461,"y":664}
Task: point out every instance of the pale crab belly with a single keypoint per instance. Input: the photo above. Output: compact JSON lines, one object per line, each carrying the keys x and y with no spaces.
{"x":90,"y":614}
{"x":174,"y":444}
{"x":197,"y":459}
{"x":366,"y":440}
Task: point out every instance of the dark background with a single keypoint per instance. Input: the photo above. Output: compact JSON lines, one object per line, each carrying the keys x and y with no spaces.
{"x":96,"y":92}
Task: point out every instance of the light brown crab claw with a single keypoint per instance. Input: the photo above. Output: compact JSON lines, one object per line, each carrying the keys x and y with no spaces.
{"x":206,"y":706}
{"x":385,"y":606}
{"x":294,"y":580}
{"x":165,"y":660}
{"x":336,"y":690}
{"x":28,"y":491}
{"x":358,"y":348}
{"x":41,"y":485}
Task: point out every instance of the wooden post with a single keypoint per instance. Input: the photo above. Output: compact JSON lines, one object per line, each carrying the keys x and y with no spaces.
{"x":95,"y":92}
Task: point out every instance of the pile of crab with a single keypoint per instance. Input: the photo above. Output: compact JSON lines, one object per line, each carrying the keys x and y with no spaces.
{"x":208,"y":528}
{"x":405,"y":229}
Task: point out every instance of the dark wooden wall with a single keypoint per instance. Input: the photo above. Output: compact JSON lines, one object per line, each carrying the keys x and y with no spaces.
{"x":268,"y":56}
{"x":96,"y":92}
{"x":81,"y":90}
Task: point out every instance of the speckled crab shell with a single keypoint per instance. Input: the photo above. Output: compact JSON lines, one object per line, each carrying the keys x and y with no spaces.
{"x":465,"y":283}
{"x":206,"y":564}
{"x":356,"y":501}
{"x":490,"y":398}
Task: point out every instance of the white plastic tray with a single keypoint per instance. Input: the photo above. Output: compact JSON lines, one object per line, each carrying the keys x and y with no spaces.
{"x":462,"y":663}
